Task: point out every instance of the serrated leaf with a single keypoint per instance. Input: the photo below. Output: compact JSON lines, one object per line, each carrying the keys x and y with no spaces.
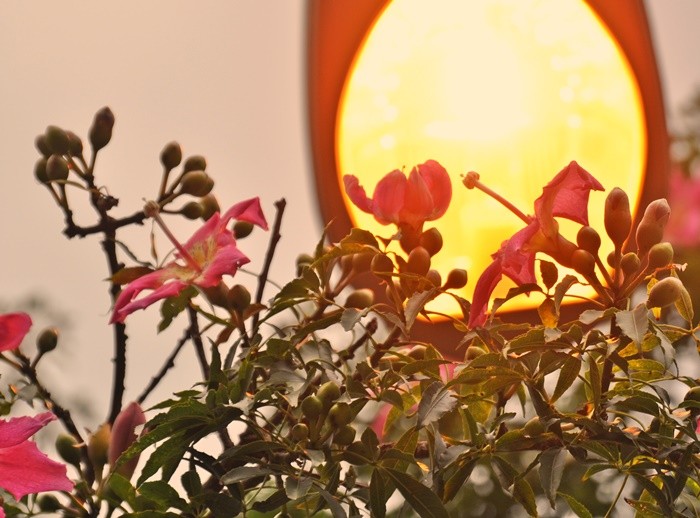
{"x":634,"y":323}
{"x":548,"y":313}
{"x":576,"y":506}
{"x":415,"y":305}
{"x":377,"y":495}
{"x":435,"y":401}
{"x":418,"y":496}
{"x":163,"y":494}
{"x":562,"y":289}
{"x":551,"y":470}
{"x":458,"y":478}
{"x":567,"y":375}
{"x":523,"y":493}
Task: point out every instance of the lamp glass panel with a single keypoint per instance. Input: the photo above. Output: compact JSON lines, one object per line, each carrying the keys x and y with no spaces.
{"x":512,"y":89}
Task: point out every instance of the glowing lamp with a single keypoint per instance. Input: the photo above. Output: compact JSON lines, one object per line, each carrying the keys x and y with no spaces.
{"x":514,"y":90}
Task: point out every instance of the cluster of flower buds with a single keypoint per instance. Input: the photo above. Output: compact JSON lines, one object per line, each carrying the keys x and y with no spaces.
{"x":324,"y":418}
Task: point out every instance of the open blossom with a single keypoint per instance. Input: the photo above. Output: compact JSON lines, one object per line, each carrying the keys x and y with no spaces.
{"x":423,"y":196}
{"x":23,"y":468}
{"x":202,"y":261}
{"x":566,"y":196}
{"x":13,"y":328}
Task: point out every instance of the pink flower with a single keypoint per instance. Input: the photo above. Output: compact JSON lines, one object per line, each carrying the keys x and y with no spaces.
{"x":208,"y":255}
{"x":23,"y":468}
{"x":13,"y":328}
{"x":423,"y":196}
{"x":566,"y":196}
{"x":683,"y":227}
{"x":124,"y":435}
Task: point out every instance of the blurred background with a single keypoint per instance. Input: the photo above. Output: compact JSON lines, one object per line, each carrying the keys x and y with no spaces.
{"x":224,"y":79}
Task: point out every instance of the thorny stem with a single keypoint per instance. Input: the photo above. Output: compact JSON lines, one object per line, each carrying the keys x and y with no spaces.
{"x":471,"y":180}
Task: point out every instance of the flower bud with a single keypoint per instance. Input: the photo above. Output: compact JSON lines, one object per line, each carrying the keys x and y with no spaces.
{"x":328,"y":393}
{"x":242,"y":229}
{"x":344,"y":435}
{"x":210,"y":206}
{"x":434,"y":278}
{"x":418,"y":352}
{"x":431,"y":240}
{"x":47,"y":340}
{"x":651,"y":229}
{"x":196,"y":183}
{"x":101,"y":131}
{"x":68,"y":449}
{"x":665,"y":292}
{"x":195,"y":163}
{"x":381,"y":265}
{"x":660,"y":255}
{"x":360,"y":299}
{"x":57,"y":140}
{"x":473,"y":352}
{"x":42,"y":146}
{"x":588,"y":239}
{"x":192,"y":210}
{"x":98,"y":445}
{"x":629,"y":263}
{"x":583,"y":262}
{"x":239,"y":297}
{"x":40,"y":171}
{"x":618,"y":218}
{"x":56,"y":168}
{"x":171,"y":156}
{"x":123,"y":436}
{"x":311,"y":407}
{"x":361,"y":262}
{"x":456,"y":279}
{"x":299,"y":432}
{"x":418,"y":261}
{"x":340,"y":414}
{"x":397,"y":290}
{"x":75,"y":145}
{"x":218,"y":295}
{"x":612,"y":260}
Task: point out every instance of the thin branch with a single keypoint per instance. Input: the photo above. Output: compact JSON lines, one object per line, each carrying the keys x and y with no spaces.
{"x":169,"y":364}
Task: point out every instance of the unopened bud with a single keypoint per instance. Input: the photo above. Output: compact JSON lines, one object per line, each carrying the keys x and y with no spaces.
{"x":101,"y":131}
{"x":583,"y":262}
{"x":361,"y":262}
{"x":431,"y":240}
{"x":630,"y":263}
{"x":47,"y":340}
{"x":311,"y":407}
{"x":381,"y":265}
{"x":299,"y":432}
{"x":192,"y":210}
{"x":660,"y":255}
{"x":588,"y":239}
{"x":239,"y":297}
{"x":612,"y":260}
{"x":617,"y":218}
{"x":124,"y":434}
{"x":665,"y":292}
{"x":242,"y":229}
{"x":328,"y":393}
{"x":42,"y":146}
{"x":434,"y":277}
{"x":418,"y":261}
{"x":57,"y":140}
{"x":195,"y":163}
{"x":68,"y":449}
{"x":171,"y":156}
{"x":40,"y":171}
{"x":340,"y":414}
{"x":210,"y":206}
{"x":303,"y":261}
{"x":56,"y":168}
{"x":651,"y":229}
{"x":344,"y":435}
{"x":98,"y":445}
{"x":75,"y":145}
{"x":360,"y":299}
{"x":456,"y":279}
{"x":196,"y":183}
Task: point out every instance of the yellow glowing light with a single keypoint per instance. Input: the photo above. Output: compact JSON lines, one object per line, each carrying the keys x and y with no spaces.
{"x":512,"y":89}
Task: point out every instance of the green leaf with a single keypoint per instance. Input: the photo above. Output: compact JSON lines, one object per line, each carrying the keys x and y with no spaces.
{"x":551,"y":470}
{"x":297,"y":487}
{"x":122,"y":488}
{"x":567,"y":375}
{"x":549,"y":273}
{"x":243,"y":473}
{"x":595,"y":381}
{"x":634,"y":323}
{"x":576,"y":506}
{"x":416,"y":303}
{"x":562,"y":288}
{"x":455,"y":482}
{"x":173,"y":306}
{"x":162,"y":494}
{"x":684,"y":305}
{"x":378,"y":495}
{"x":419,"y":497}
{"x":646,"y":370}
{"x":523,"y":493}
{"x":333,"y":506}
{"x":435,"y":401}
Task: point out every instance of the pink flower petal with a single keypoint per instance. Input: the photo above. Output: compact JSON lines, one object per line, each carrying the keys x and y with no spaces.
{"x":227,"y":260}
{"x":169,"y":289}
{"x":13,"y":328}
{"x":24,"y":470}
{"x":19,"y":429}
{"x":418,"y":201}
{"x":247,"y":210}
{"x":389,"y":197}
{"x":439,"y":186}
{"x":487,"y":282}
{"x":357,"y":193}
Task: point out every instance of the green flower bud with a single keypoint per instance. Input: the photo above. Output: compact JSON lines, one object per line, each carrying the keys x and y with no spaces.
{"x":101,"y":130}
{"x":583,"y":262}
{"x":311,"y":407}
{"x":665,"y":292}
{"x":434,"y":278}
{"x":196,"y":183}
{"x":340,"y":414}
{"x":651,"y":229}
{"x":218,"y":295}
{"x":418,"y":261}
{"x":98,"y":445}
{"x":57,"y":140}
{"x":456,"y":279}
{"x":381,"y":265}
{"x":328,"y":393}
{"x":40,"y":171}
{"x":660,"y":255}
{"x":47,"y":340}
{"x":210,"y":206}
{"x":42,"y":146}
{"x":192,"y":210}
{"x":299,"y":432}
{"x":588,"y":239}
{"x":75,"y":145}
{"x":195,"y":163}
{"x":68,"y":449}
{"x":171,"y":156}
{"x":344,"y":435}
{"x":360,"y":299}
{"x":242,"y":229}
{"x":239,"y":297}
{"x":361,"y":262}
{"x":56,"y":168}
{"x":418,"y":352}
{"x":431,"y":240}
{"x":534,"y":427}
{"x":617,"y":218}
{"x":473,"y":352}
{"x":630,"y":263}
